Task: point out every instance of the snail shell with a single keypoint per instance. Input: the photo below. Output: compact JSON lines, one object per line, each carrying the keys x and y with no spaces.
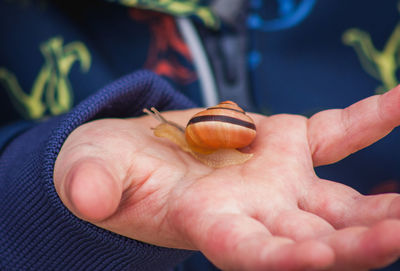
{"x":212,"y":135}
{"x":224,"y":126}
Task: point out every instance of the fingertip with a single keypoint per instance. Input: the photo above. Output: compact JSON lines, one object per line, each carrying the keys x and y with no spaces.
{"x":92,"y":191}
{"x":390,"y":106}
{"x":316,"y":255}
{"x":308,"y":255}
{"x":385,"y":234}
{"x":380,"y":244}
{"x":394,"y":208}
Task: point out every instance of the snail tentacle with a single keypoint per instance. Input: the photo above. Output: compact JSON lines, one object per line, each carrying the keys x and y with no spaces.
{"x":157,"y":115}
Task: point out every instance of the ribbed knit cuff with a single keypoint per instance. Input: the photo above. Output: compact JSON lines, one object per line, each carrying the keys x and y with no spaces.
{"x":37,"y":232}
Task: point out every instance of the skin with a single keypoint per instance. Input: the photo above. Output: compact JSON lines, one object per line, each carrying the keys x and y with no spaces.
{"x":271,"y":213}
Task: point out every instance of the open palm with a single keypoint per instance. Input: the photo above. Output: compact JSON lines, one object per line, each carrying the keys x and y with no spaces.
{"x":271,"y":213}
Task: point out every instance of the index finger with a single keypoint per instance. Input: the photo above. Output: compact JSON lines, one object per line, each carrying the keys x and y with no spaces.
{"x":337,"y":133}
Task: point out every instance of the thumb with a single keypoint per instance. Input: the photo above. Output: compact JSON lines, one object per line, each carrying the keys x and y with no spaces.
{"x":88,"y":188}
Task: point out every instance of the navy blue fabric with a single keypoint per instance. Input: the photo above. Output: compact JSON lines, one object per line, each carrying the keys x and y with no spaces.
{"x":9,"y":132}
{"x":37,"y":232}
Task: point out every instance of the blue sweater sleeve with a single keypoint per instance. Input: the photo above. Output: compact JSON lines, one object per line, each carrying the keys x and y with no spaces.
{"x":37,"y":232}
{"x":8,"y":132}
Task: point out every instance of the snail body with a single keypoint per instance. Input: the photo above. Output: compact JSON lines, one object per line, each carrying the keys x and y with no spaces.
{"x":213,"y":135}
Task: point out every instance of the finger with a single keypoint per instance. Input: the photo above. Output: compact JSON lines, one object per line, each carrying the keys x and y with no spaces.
{"x":89,"y":189}
{"x":299,"y":225}
{"x":280,"y":149}
{"x":361,"y":248}
{"x":275,"y":142}
{"x":343,"y":206}
{"x":335,"y":134}
{"x":237,"y":242}
{"x":87,"y":177}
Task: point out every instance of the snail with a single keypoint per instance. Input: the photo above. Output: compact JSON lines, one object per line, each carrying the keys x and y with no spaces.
{"x":213,"y":135}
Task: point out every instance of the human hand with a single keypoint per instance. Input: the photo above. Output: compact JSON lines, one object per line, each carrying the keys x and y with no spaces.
{"x":271,"y":213}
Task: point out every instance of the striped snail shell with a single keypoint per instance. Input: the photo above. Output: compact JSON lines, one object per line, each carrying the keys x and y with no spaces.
{"x":224,"y":126}
{"x":211,"y":136}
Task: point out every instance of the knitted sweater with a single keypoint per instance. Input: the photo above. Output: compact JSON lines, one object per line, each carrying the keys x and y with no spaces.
{"x":37,"y":232}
